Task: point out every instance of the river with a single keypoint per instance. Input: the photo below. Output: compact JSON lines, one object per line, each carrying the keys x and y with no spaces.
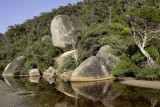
{"x":49,"y":92}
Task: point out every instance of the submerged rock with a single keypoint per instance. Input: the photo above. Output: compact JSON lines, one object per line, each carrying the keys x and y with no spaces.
{"x":97,"y":67}
{"x":10,"y":68}
{"x":34,"y":73}
{"x":59,"y":60}
{"x":62,"y":28}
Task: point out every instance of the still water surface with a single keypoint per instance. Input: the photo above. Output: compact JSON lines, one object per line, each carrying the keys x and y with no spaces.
{"x":48,"y":92}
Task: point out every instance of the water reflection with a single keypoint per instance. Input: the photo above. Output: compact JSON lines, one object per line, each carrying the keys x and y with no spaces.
{"x":65,"y":87}
{"x":85,"y":94}
{"x":97,"y":91}
{"x":49,"y":79}
{"x":34,"y":79}
{"x":136,"y":97}
{"x":10,"y":81}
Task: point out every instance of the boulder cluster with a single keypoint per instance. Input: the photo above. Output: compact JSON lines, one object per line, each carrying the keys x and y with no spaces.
{"x":94,"y":68}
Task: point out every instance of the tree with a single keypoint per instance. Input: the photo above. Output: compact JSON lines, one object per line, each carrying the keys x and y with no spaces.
{"x":143,"y":31}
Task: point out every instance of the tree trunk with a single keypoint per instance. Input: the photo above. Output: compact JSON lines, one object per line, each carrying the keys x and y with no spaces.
{"x":150,"y":61}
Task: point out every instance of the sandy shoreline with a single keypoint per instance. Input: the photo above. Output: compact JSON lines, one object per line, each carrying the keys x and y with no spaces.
{"x":143,"y":83}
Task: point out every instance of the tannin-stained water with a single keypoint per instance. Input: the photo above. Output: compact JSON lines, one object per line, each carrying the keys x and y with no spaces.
{"x":50,"y":92}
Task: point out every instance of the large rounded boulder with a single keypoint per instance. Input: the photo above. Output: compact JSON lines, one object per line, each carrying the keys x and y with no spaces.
{"x":97,"y":67}
{"x":10,"y":68}
{"x":62,"y":28}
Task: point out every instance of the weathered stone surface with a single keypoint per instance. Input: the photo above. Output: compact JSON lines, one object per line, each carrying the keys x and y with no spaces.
{"x":96,"y":91}
{"x":107,"y":59}
{"x":59,"y":60}
{"x":49,"y":79}
{"x":62,"y":28}
{"x":66,"y":76}
{"x":46,"y":38}
{"x":34,"y":79}
{"x":97,"y":67}
{"x":34,"y":73}
{"x":51,"y":72}
{"x":10,"y":68}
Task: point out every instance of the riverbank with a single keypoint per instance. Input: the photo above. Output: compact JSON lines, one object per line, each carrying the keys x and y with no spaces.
{"x":142,"y":83}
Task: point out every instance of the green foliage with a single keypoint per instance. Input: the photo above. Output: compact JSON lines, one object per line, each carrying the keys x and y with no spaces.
{"x":125,"y":68}
{"x":69,"y":63}
{"x":40,"y":55}
{"x":45,"y":32}
{"x":25,"y":39}
{"x":153,"y":52}
{"x":137,"y":57}
{"x":96,"y":36}
{"x":16,"y":73}
{"x":67,"y":87}
{"x":120,"y":29}
{"x":118,"y":45}
{"x":125,"y":57}
{"x":149,"y":13}
{"x":2,"y":67}
{"x":149,"y":73}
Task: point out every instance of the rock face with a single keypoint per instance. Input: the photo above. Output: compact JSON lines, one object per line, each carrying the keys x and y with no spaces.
{"x":51,"y":72}
{"x":10,"y":68}
{"x":62,"y":28}
{"x":34,"y":73}
{"x":59,"y":60}
{"x":97,"y":67}
{"x":107,"y":59}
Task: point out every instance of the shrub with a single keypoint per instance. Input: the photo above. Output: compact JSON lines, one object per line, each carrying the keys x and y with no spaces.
{"x":137,"y":57}
{"x":120,"y":29}
{"x":149,"y":13}
{"x":69,"y":63}
{"x":2,"y":67}
{"x":149,"y":73}
{"x":125,"y":68}
{"x":16,"y":73}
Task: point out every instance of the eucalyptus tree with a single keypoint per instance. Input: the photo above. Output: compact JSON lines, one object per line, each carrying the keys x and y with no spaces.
{"x":145,"y":26}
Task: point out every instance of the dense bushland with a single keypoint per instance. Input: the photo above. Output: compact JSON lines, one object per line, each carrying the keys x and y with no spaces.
{"x":122,"y":24}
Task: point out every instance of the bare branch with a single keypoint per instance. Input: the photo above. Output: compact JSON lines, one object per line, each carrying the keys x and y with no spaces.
{"x":154,"y":32}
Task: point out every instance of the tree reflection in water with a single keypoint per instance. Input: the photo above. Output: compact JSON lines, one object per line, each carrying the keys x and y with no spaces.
{"x":88,"y":94}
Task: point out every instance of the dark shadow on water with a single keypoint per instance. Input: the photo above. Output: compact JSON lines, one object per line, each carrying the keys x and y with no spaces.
{"x":1,"y":77}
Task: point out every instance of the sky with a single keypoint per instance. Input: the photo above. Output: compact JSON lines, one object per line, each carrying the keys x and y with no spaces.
{"x":17,"y":11}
